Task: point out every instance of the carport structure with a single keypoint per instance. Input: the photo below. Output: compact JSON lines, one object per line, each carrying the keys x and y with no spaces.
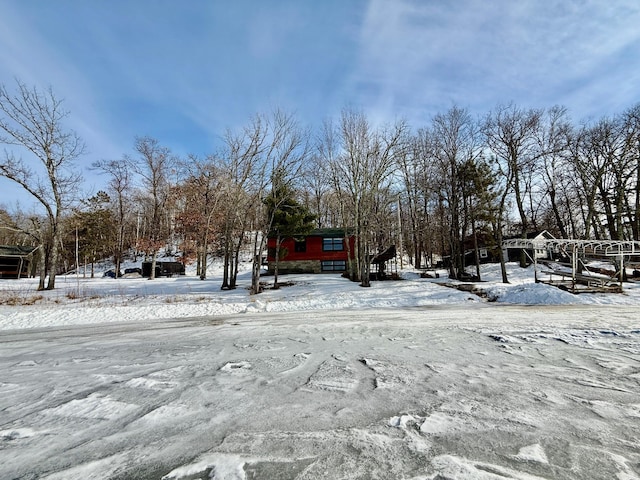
{"x":15,"y":260}
{"x":575,"y":276}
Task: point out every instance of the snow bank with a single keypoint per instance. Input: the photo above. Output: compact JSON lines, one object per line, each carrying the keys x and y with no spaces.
{"x":78,"y":300}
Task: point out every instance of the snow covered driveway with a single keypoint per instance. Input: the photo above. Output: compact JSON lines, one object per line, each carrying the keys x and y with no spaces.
{"x":488,"y":392}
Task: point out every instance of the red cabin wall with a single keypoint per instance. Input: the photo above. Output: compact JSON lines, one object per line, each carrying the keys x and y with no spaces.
{"x":313,"y":251}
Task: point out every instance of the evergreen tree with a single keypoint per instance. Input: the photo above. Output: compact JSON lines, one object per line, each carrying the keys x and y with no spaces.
{"x":94,"y":229}
{"x":479,"y":202}
{"x":288,"y":219}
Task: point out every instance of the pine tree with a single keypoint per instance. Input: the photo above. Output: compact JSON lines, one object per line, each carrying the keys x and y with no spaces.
{"x":288,"y":219}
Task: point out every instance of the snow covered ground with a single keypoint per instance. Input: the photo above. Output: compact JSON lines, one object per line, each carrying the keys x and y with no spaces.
{"x":78,"y":300}
{"x":174,"y":379}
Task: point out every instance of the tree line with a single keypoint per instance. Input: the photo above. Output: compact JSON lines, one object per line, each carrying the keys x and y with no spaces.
{"x":439,"y":191}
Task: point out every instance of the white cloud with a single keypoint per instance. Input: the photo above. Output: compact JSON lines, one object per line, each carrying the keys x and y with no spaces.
{"x":28,"y":56}
{"x":419,"y":56}
{"x":182,"y":72}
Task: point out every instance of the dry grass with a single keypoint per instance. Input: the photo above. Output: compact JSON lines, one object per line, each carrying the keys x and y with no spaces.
{"x":82,"y":294}
{"x":13,"y":299}
{"x":26,"y":296}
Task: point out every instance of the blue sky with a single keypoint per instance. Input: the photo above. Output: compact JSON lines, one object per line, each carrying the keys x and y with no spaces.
{"x":184,"y":71}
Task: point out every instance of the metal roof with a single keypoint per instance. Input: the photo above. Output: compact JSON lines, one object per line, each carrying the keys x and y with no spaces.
{"x":329,"y":232}
{"x":607,"y":248}
{"x":16,"y":250}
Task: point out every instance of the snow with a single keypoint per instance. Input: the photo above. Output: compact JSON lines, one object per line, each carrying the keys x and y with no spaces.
{"x":174,"y":379}
{"x":532,"y":453}
{"x":79,"y":300}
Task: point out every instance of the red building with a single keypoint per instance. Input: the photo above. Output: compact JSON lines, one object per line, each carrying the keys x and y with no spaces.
{"x":321,"y":251}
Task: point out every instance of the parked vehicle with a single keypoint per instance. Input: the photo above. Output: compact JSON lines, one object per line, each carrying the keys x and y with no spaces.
{"x":111,"y":274}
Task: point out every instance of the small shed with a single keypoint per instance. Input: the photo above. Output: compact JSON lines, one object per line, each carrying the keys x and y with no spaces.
{"x":15,"y":260}
{"x":163,"y":269}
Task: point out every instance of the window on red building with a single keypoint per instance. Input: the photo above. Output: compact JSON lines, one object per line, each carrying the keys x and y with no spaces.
{"x":332,"y":244}
{"x":334,"y":265}
{"x":300,"y":246}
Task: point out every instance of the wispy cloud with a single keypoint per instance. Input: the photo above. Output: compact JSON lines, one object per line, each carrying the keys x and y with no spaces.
{"x":419,"y":56}
{"x":184,"y":71}
{"x":28,"y":56}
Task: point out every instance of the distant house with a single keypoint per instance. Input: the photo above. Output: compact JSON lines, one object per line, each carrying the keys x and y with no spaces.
{"x":487,"y":251}
{"x":15,"y":260}
{"x":326,"y":250}
{"x":513,"y":255}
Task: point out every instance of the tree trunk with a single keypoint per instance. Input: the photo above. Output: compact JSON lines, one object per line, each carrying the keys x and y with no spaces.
{"x":365,"y":280}
{"x":236,"y":258}
{"x":556,"y":213}
{"x":228,"y":256}
{"x":503,"y":266}
{"x":609,"y":212}
{"x":42,"y":266}
{"x":476,"y":249}
{"x":53,"y":262}
{"x":350,"y":255}
{"x":226,"y":268}
{"x":523,"y":216}
{"x":202,"y":257}
{"x":277,"y":263}
{"x":635,"y":223}
{"x":119,"y":248}
{"x":258,"y":247}
{"x":455,"y":267}
{"x":255,"y":275}
{"x":154,"y":256}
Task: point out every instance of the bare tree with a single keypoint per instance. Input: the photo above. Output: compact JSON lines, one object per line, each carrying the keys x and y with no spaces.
{"x":632,"y":127}
{"x":409,"y":166}
{"x":361,"y":171}
{"x":594,"y":152}
{"x":242,"y":170}
{"x":120,"y":183}
{"x":317,"y":190}
{"x":202,"y":192}
{"x":286,"y":151}
{"x":33,"y":122}
{"x":606,"y":164}
{"x":153,"y":166}
{"x":511,"y":134}
{"x":420,"y":176}
{"x":554,"y":140}
{"x":456,"y":145}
